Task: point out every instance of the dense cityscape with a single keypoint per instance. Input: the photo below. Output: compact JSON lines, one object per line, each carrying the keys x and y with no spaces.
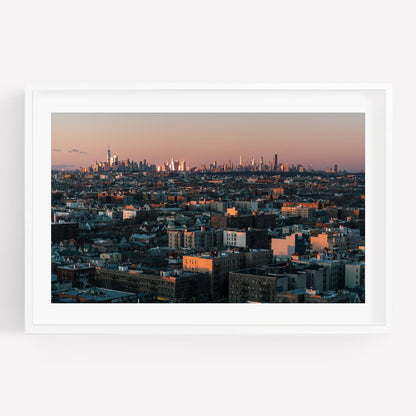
{"x":114,"y":164}
{"x":255,"y":231}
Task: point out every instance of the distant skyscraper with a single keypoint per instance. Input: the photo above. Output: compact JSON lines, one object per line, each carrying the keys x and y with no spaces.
{"x":113,"y":160}
{"x":241,"y":161}
{"x":108,"y":155}
{"x":336,"y":168}
{"x":275,"y":162}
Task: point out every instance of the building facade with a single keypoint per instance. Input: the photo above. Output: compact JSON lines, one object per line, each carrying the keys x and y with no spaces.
{"x":341,"y":239}
{"x":177,"y":286}
{"x":285,"y":247}
{"x":218,"y":265}
{"x":354,"y":275}
{"x":76,"y":273}
{"x":251,"y":286}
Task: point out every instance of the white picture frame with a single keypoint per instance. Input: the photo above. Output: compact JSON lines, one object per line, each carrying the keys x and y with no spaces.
{"x":42,"y":316}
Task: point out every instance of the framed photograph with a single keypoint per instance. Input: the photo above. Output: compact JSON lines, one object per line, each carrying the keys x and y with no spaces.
{"x":249,"y":209}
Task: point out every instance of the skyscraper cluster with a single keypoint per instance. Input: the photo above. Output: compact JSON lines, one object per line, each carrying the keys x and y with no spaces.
{"x":114,"y":164}
{"x":172,"y":166}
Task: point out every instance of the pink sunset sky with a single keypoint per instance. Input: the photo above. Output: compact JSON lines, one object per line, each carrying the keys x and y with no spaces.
{"x":320,"y":139}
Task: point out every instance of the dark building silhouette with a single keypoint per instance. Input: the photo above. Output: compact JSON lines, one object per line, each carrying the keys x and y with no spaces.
{"x":64,"y":231}
{"x":244,"y":221}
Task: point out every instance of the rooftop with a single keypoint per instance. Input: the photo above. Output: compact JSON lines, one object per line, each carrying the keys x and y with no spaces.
{"x":97,"y":294}
{"x":77,"y":266}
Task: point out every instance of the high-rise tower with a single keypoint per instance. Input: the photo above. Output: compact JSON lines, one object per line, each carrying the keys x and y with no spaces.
{"x":108,"y":154}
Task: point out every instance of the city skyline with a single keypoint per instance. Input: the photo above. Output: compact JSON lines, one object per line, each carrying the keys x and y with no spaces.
{"x":115,"y":164}
{"x":321,"y":139}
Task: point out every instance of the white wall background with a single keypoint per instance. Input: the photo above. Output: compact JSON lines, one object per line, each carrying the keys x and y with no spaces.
{"x":204,"y":42}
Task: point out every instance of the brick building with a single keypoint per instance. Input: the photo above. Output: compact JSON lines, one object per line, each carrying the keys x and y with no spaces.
{"x":218,"y":265}
{"x":77,"y":273}
{"x":203,"y":239}
{"x":254,"y":285}
{"x":175,"y":286}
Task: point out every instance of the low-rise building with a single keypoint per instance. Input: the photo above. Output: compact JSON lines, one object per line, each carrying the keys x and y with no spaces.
{"x":218,"y":265}
{"x":249,"y":238}
{"x":129,"y":213}
{"x":79,"y":274}
{"x":246,"y":206}
{"x":306,"y":212}
{"x":354,"y":275}
{"x":341,"y":239}
{"x":175,"y":238}
{"x":164,"y":286}
{"x":94,"y":295}
{"x":285,"y":247}
{"x":111,"y":257}
{"x":255,"y":285}
{"x":271,"y":285}
{"x":334,"y":274}
{"x":202,"y":239}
